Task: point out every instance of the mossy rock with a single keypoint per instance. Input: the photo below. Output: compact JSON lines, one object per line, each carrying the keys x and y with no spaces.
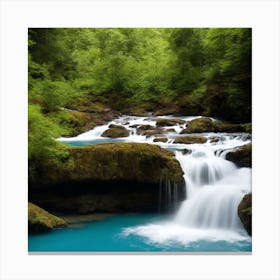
{"x":134,"y":162}
{"x":169,"y":122}
{"x":198,"y":126}
{"x":79,"y":122}
{"x":39,"y":220}
{"x":245,"y":212}
{"x":190,"y":140}
{"x":143,"y":128}
{"x":247,"y":127}
{"x":241,"y":156}
{"x":160,"y":139}
{"x":112,"y":177}
{"x":115,"y":131}
{"x":214,"y":140}
{"x":228,"y":127}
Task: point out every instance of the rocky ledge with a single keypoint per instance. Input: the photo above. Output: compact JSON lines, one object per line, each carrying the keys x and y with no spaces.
{"x":241,"y":156}
{"x":113,"y":177}
{"x":39,"y":220}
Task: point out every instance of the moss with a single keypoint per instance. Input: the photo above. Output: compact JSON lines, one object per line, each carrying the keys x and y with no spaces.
{"x":169,"y":122}
{"x":227,"y":127}
{"x":198,"y":126}
{"x":245,"y":212}
{"x":141,"y":129}
{"x":160,"y":139}
{"x":241,"y":156}
{"x":132,"y":162}
{"x":116,"y":131}
{"x":190,"y":140}
{"x":247,"y":127}
{"x":40,"y":220}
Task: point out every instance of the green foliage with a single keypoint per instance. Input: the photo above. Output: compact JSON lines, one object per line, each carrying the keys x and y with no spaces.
{"x":200,"y":70}
{"x":41,"y":135}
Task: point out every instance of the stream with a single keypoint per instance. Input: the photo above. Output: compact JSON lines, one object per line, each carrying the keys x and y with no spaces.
{"x":207,"y":221}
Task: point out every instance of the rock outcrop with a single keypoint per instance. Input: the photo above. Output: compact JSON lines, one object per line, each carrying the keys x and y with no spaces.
{"x":112,"y":177}
{"x":245,"y":212}
{"x":190,"y":140}
{"x":204,"y":124}
{"x":169,"y":122}
{"x":115,"y":131}
{"x":199,"y":125}
{"x":160,"y":139}
{"x":241,"y":156}
{"x":40,"y":220}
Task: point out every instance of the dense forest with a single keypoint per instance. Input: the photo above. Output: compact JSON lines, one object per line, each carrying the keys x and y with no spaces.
{"x":180,"y":71}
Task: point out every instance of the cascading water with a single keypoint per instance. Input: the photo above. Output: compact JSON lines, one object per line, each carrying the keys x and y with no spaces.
{"x":214,"y":186}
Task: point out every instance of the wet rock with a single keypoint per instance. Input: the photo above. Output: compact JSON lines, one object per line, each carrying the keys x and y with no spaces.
{"x":169,"y":122}
{"x":170,"y":130}
{"x":198,"y":126}
{"x":214,"y":140}
{"x":190,"y":140}
{"x":160,"y":139}
{"x":146,"y":127}
{"x":228,"y":127}
{"x":134,"y":125}
{"x":241,"y":156}
{"x":245,"y":212}
{"x":186,"y":151}
{"x":115,"y":131}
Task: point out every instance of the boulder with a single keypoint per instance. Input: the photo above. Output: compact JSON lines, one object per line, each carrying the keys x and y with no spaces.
{"x":115,"y":131}
{"x":39,"y":220}
{"x":245,"y":212}
{"x":228,"y":127}
{"x":169,"y":122}
{"x":79,"y":122}
{"x":146,"y":127}
{"x":160,"y":139}
{"x":186,"y":151}
{"x":198,"y":126}
{"x":149,"y":130}
{"x":112,"y":177}
{"x":241,"y":156}
{"x":169,"y":130}
{"x":190,"y":140}
{"x":214,"y":140}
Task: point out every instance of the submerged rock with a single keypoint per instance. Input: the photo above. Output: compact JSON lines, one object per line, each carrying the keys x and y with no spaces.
{"x":169,"y":122}
{"x":39,"y":220}
{"x":245,"y":212}
{"x":190,"y":140}
{"x":241,"y":156}
{"x":115,"y":131}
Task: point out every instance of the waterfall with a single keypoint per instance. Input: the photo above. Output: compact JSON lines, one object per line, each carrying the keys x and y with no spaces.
{"x":215,"y":187}
{"x":168,"y":196}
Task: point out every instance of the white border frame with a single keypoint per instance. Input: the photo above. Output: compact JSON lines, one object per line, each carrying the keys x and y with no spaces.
{"x":17,"y":15}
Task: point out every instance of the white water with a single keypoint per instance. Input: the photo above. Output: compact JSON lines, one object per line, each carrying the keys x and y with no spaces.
{"x":214,"y":186}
